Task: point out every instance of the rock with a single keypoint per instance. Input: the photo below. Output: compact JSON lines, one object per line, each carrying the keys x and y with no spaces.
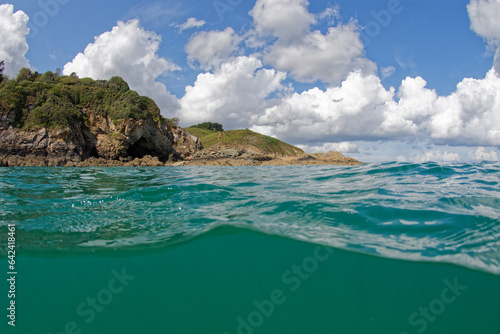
{"x":223,"y":154}
{"x":230,"y":151}
{"x":335,"y":158}
{"x":149,"y":161}
{"x":100,"y":142}
{"x":184,"y":143}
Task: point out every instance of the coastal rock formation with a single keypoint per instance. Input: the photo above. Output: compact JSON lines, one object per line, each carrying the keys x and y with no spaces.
{"x":335,"y":158}
{"x":51,"y":120}
{"x":102,"y":139}
{"x":232,"y":151}
{"x":184,"y":143}
{"x":223,"y":154}
{"x":46,"y":120}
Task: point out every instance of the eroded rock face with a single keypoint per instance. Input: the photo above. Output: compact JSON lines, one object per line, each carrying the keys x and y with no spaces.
{"x":129,"y":138}
{"x":99,"y":138}
{"x":184,"y":143}
{"x":230,"y":151}
{"x":40,"y":143}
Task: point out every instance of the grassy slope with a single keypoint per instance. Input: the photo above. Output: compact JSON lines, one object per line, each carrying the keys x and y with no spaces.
{"x":200,"y":133}
{"x":267,"y":144}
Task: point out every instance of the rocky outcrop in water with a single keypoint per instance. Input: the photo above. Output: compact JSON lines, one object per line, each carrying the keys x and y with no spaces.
{"x":223,"y":154}
{"x":98,"y":142}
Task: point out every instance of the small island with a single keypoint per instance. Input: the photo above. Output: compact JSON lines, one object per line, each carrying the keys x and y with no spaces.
{"x":53,"y":120}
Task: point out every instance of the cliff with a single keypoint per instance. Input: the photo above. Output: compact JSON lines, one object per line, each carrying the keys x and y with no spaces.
{"x":65,"y":121}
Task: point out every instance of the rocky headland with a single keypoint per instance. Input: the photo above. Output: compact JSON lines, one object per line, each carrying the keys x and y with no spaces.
{"x":48,"y":120}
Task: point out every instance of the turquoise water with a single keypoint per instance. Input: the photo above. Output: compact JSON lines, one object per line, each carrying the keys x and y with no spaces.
{"x":377,"y":248}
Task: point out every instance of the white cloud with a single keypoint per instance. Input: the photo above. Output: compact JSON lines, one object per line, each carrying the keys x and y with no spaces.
{"x":362,"y":109}
{"x":326,"y":57}
{"x":470,"y":115}
{"x":416,"y":104}
{"x":211,"y":48}
{"x":331,"y":15}
{"x":484,"y":16}
{"x":284,"y":19}
{"x":480,"y":154}
{"x":343,"y":147}
{"x":497,"y":61}
{"x":13,"y":31}
{"x":232,"y":94}
{"x":387,"y":71}
{"x":128,"y":51}
{"x":433,"y":156}
{"x":352,"y":111}
{"x":191,"y":23}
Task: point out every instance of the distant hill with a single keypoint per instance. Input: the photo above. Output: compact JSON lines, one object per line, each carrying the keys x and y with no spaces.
{"x":266,"y":144}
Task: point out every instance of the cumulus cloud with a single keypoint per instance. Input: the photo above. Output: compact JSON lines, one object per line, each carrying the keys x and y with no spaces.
{"x":352,"y":111}
{"x":307,"y":55}
{"x":415,"y":106}
{"x":191,"y":23}
{"x":362,"y":109}
{"x":13,"y":31}
{"x":480,"y":154}
{"x":128,"y":51}
{"x":326,"y":57}
{"x":211,"y":48}
{"x":232,"y":94}
{"x":484,"y":16}
{"x":284,"y":19}
{"x":469,"y":115}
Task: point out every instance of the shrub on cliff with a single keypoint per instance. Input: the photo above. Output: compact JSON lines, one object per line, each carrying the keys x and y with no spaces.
{"x":209,"y":126}
{"x":53,"y":101}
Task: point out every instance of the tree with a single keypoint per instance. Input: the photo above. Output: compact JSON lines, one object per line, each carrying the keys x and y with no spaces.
{"x":119,"y":84}
{"x":48,"y":77}
{"x":210,"y":126}
{"x":2,"y":68}
{"x":24,"y":74}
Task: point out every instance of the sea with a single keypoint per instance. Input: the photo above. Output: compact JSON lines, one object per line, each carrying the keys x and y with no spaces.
{"x":389,"y":248}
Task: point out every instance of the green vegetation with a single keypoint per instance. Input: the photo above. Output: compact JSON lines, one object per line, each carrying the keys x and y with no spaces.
{"x":267,"y":144}
{"x":200,"y":133}
{"x":209,"y":126}
{"x":53,"y":101}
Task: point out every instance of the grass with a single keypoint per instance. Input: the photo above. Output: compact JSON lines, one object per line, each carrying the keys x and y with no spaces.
{"x":200,"y":133}
{"x":266,"y":144}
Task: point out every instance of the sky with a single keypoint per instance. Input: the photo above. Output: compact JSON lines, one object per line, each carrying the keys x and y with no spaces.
{"x":379,"y":80}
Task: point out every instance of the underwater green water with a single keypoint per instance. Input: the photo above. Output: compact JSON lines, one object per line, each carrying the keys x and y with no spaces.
{"x":384,"y":248}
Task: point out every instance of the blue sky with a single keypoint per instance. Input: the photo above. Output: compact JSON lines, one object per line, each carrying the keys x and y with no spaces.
{"x":265,"y":65}
{"x":429,"y":38}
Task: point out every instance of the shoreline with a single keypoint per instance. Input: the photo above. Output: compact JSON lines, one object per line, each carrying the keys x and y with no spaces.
{"x":318,"y":159}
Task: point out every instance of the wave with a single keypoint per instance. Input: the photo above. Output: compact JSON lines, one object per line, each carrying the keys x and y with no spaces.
{"x":416,"y":212}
